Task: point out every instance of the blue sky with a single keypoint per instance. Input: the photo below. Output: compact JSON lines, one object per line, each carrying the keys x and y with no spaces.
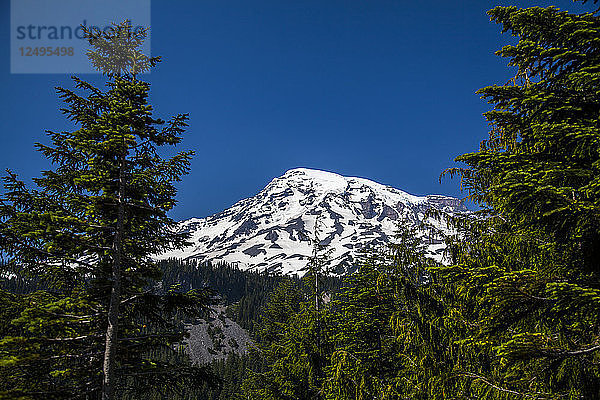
{"x":382,"y":89}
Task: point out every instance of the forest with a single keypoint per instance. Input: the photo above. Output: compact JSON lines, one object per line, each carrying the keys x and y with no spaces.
{"x":86,"y":312}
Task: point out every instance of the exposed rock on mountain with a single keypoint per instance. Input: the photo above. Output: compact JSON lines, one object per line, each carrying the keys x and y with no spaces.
{"x":216,"y":338}
{"x":271,"y":230}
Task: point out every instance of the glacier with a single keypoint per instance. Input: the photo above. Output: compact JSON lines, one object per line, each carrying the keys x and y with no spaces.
{"x":271,"y":231}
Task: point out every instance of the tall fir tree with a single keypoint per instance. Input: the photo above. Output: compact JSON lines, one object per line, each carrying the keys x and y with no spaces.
{"x":293,"y":336}
{"x":102,"y":328}
{"x":385,"y":326}
{"x":530,"y":267}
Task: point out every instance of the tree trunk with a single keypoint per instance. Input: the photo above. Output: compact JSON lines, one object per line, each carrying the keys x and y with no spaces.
{"x":112,"y":330}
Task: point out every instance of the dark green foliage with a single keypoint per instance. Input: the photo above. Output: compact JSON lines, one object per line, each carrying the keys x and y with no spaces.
{"x":515,"y":314}
{"x":87,"y":234}
{"x":363,"y":354}
{"x":527,"y":275}
{"x":293,"y":336}
{"x":385,"y":327}
{"x":244,"y":292}
{"x":289,"y":347}
{"x":233,"y":371}
{"x":231,"y":285}
{"x":358,"y":344}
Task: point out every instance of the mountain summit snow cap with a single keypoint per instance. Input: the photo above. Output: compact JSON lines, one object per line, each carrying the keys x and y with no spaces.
{"x":333,"y":182}
{"x":269,"y":231}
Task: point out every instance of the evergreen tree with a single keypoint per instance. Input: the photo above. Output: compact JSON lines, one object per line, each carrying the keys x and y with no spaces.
{"x":293,"y":336}
{"x":282,"y":346}
{"x":385,"y":326}
{"x":102,"y":327}
{"x":529,"y":267}
{"x":362,"y":357}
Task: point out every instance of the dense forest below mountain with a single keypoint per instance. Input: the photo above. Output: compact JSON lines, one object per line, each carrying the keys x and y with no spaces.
{"x":245,"y":295}
{"x":87,"y":311}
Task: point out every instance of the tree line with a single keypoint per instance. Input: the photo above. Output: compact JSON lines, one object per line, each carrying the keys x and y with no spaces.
{"x":513,"y":314}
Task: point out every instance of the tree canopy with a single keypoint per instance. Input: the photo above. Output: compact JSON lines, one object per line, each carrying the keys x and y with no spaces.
{"x":100,"y":326}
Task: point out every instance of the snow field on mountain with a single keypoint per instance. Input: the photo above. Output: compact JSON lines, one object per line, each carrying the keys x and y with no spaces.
{"x":269,"y":231}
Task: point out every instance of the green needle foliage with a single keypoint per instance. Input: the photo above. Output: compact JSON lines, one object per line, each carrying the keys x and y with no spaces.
{"x":356,"y":346}
{"x":289,"y":347}
{"x":532,"y":263}
{"x":101,"y":327}
{"x":515,"y":314}
{"x":384,"y":327}
{"x":293,"y":335}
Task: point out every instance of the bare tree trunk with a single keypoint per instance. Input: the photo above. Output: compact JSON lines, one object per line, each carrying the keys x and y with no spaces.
{"x":112,"y":330}
{"x":317,"y":303}
{"x":316,"y":271}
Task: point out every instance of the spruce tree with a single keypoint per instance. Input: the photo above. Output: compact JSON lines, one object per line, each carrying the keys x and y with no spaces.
{"x":384,"y":326}
{"x":530,"y":267}
{"x":293,"y":342}
{"x":102,"y":327}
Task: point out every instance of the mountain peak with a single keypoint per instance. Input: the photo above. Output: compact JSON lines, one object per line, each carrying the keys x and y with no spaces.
{"x":332,"y":182}
{"x":269,"y":231}
{"x":310,"y":173}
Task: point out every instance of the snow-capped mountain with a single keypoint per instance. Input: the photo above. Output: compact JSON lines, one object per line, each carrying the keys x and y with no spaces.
{"x":270,"y":231}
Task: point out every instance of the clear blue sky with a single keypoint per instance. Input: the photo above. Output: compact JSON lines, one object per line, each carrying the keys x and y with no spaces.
{"x":381,"y":89}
